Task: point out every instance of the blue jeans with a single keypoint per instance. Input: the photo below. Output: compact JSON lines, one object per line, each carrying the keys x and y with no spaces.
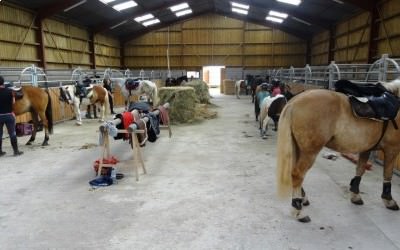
{"x":9,"y":121}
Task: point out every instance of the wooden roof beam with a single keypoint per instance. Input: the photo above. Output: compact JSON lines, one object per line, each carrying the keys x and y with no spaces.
{"x":323,"y":23}
{"x":105,"y":26}
{"x":282,"y":27}
{"x":52,"y":9}
{"x":363,"y":4}
{"x":161,"y":25}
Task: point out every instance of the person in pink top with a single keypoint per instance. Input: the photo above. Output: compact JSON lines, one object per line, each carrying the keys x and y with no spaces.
{"x":276,"y":89}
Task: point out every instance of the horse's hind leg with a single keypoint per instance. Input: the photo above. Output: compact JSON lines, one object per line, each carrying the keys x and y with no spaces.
{"x":355,"y":182}
{"x":35,"y":127}
{"x":42,"y":116}
{"x":299,"y":198}
{"x":387,"y":181}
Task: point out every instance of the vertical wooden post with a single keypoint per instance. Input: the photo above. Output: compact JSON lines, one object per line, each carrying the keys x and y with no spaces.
{"x":331,"y":50}
{"x":40,"y":40}
{"x":308,"y":51}
{"x":122,"y":55}
{"x":92,"y":48}
{"x":374,"y":33}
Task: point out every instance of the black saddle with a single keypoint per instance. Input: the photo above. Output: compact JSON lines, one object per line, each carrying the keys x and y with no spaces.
{"x":372,"y":101}
{"x":131,"y":84}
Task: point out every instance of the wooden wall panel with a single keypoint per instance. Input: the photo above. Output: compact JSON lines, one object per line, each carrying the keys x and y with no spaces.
{"x":215,"y":40}
{"x":389,"y":29}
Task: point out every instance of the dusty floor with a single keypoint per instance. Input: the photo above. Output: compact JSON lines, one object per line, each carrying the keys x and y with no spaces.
{"x":210,"y":186}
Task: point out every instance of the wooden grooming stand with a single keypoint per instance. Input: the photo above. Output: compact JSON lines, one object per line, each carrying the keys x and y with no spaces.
{"x":132,"y":130}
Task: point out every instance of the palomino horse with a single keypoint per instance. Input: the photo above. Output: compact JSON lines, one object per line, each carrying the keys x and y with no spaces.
{"x":271,"y":108}
{"x":96,"y":95}
{"x":240,"y":84}
{"x":318,"y":118}
{"x":132,"y":87}
{"x":38,"y":102}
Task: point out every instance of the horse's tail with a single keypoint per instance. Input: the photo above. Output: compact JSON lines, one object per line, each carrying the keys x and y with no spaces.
{"x":49,"y":113}
{"x":286,"y":153}
{"x":107,"y":103}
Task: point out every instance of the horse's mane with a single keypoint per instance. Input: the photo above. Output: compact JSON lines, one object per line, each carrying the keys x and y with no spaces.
{"x":393,"y":86}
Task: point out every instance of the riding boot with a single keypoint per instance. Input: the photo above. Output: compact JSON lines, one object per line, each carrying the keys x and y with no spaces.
{"x":1,"y":149}
{"x":110,"y":100}
{"x":14,"y":145}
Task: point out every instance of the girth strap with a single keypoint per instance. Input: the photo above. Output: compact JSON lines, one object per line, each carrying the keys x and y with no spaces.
{"x":385,"y":125}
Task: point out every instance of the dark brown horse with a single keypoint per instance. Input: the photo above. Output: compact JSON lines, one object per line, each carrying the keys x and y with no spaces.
{"x":318,"y":118}
{"x":36,"y":101}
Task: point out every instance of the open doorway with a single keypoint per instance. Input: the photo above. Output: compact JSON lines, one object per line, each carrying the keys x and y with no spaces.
{"x":213,"y":75}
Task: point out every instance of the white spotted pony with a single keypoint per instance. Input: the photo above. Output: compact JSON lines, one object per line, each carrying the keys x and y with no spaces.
{"x":133,"y":87}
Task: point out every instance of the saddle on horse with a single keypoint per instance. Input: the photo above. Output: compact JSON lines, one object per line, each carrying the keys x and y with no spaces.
{"x":371,"y":101}
{"x":131,"y":84}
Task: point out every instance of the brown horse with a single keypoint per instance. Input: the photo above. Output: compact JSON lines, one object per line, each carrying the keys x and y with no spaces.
{"x":36,"y":101}
{"x":318,"y":118}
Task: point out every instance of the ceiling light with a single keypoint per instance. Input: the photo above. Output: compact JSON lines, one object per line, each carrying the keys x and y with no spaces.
{"x":240,"y":11}
{"x":119,"y":24}
{"x":143,"y":18}
{"x":338,"y":1}
{"x":151,"y":22}
{"x":294,"y":2}
{"x":179,"y":7}
{"x":274,"y":19}
{"x":106,"y":1}
{"x":277,"y":14}
{"x":124,"y":5}
{"x":239,"y":5}
{"x":73,"y":6}
{"x":301,"y":21}
{"x":183,"y":12}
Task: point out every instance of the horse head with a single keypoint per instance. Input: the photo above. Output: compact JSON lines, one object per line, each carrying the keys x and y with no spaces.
{"x":170,"y":81}
{"x":393,"y":86}
{"x":65,"y":95}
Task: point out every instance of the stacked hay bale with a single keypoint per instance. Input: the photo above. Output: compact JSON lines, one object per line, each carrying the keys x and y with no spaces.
{"x":201,"y":90}
{"x":229,"y":87}
{"x":182,"y":102}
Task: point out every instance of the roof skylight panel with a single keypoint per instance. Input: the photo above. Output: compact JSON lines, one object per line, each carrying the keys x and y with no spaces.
{"x":293,"y":2}
{"x":151,"y":22}
{"x":179,"y":7}
{"x":277,"y":14}
{"x":183,"y":12}
{"x":240,"y":11}
{"x":144,"y":18}
{"x":106,"y":1}
{"x":240,"y":6}
{"x":274,"y":19}
{"x":125,"y":5}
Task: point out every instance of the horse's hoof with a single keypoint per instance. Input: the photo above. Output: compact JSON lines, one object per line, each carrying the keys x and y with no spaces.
{"x":306,"y":203}
{"x":305,"y":219}
{"x":101,"y":120}
{"x":29,"y":143}
{"x":78,"y":123}
{"x":45,"y":143}
{"x":391,"y":204}
{"x":357,"y":201}
{"x":264,"y":137}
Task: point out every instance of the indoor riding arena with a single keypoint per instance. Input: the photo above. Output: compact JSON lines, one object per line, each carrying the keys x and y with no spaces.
{"x":200,"y":124}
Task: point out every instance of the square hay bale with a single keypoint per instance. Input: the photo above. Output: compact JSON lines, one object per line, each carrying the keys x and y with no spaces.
{"x":229,"y":87}
{"x":182,"y":102}
{"x":201,"y":90}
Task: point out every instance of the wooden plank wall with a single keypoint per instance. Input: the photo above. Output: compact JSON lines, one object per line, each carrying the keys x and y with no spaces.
{"x":351,"y":37}
{"x":66,"y":45}
{"x":215,"y":40}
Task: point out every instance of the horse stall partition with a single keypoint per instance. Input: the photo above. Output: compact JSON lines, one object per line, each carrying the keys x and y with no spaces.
{"x":132,"y":130}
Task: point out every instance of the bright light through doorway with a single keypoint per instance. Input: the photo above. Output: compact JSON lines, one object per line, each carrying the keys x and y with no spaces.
{"x":212,"y":75}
